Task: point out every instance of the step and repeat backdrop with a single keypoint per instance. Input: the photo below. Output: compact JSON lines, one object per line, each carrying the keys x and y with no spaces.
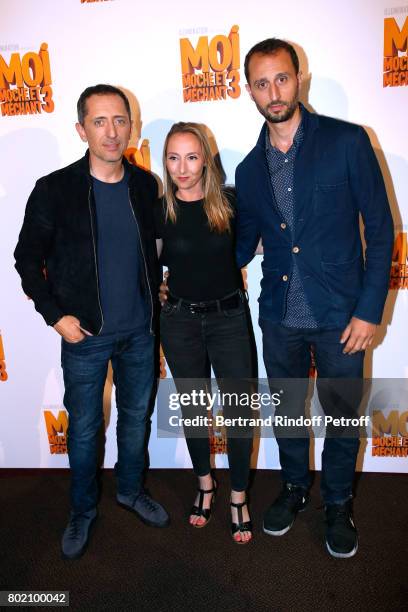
{"x":181,"y":61}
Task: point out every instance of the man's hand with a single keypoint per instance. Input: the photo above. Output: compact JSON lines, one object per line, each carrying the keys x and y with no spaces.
{"x":163,"y":291}
{"x":68,"y":327}
{"x":358,"y":335}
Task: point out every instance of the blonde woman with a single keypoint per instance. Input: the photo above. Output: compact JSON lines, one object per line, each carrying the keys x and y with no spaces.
{"x":205,"y":320}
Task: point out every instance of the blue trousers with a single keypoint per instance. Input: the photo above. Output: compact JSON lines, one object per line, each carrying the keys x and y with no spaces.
{"x":85,"y":367}
{"x":286,"y":353}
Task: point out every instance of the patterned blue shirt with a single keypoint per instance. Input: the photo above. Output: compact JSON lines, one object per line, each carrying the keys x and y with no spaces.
{"x":281,"y":171}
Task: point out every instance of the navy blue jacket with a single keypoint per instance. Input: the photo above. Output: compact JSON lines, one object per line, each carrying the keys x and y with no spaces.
{"x":336,"y":177}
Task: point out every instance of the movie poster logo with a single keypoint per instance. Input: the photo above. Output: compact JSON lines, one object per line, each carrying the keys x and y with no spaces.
{"x":25,"y":83}
{"x":395,"y":52}
{"x":57,"y":426}
{"x":210,"y":69}
{"x":3,"y":371}
{"x":390,"y":434}
{"x":399,"y":274}
{"x":218,"y":439}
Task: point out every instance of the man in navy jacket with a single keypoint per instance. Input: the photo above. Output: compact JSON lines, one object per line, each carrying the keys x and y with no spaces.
{"x":302,"y":190}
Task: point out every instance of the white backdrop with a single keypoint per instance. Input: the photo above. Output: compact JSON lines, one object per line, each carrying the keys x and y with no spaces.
{"x":137,"y":46}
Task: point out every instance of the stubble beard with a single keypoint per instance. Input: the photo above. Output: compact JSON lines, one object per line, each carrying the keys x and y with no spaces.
{"x":284,"y":115}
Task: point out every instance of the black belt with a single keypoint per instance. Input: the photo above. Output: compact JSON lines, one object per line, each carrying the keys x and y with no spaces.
{"x":231,"y":301}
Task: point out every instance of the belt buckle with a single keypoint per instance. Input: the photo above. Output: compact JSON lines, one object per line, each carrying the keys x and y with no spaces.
{"x":195,"y":308}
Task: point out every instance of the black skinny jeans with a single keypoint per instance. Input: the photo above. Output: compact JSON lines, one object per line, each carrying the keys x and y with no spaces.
{"x":224,"y":340}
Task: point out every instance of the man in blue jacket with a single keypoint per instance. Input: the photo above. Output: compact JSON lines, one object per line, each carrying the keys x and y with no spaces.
{"x":302,"y":190}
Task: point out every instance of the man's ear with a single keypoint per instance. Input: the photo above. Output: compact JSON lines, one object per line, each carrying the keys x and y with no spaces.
{"x":81,"y":132}
{"x":248,"y":88}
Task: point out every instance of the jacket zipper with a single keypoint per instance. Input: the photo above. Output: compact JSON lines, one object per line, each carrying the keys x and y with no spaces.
{"x":96,"y":263}
{"x":144,"y":261}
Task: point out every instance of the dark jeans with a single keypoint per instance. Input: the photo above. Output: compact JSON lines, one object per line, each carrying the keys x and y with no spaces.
{"x":286,"y":353}
{"x":85,"y":366}
{"x":192,"y":343}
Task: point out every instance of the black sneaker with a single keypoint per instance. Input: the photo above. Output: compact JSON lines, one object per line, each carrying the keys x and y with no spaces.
{"x":279,"y":517}
{"x":341,"y":533}
{"x":149,"y":511}
{"x":76,"y":534}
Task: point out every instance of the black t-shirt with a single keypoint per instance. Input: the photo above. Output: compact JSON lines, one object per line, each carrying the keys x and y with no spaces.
{"x":201,"y":262}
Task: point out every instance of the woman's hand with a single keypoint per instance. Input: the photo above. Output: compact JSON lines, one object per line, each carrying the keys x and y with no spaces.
{"x":163,"y":291}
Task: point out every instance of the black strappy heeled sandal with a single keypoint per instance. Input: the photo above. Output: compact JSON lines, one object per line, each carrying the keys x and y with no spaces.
{"x":199,"y":510}
{"x":241,"y":525}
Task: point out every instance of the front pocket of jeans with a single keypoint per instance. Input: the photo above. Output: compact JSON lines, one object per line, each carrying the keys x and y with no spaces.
{"x":76,"y":343}
{"x":234,"y":312}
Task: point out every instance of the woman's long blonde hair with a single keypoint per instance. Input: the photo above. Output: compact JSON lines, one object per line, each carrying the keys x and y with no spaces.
{"x":216,"y":205}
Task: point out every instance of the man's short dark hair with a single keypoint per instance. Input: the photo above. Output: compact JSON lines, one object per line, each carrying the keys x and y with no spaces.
{"x":99,"y":90}
{"x":270,"y":46}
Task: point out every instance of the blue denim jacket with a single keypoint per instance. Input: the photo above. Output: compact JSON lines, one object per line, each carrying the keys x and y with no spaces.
{"x":336,"y":178}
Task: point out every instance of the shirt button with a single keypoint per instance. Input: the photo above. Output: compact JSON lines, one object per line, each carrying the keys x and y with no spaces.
{"x":286,"y":161}
{"x":284,"y":278}
{"x":289,"y":188}
{"x":283,"y":225}
{"x":295,"y":250}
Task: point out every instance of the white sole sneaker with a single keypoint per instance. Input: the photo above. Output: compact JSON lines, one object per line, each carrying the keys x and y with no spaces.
{"x":339,"y":555}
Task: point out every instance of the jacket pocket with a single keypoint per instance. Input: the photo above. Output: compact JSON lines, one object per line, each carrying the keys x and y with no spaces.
{"x":331,"y":199}
{"x":344,"y":281}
